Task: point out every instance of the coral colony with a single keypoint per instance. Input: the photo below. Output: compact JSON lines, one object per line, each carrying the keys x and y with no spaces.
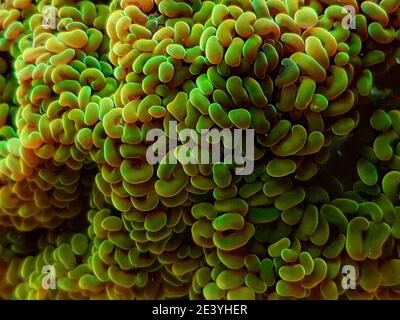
{"x":107,"y":193}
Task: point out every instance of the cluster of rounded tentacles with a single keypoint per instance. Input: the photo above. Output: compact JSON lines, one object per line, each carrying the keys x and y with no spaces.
{"x":79,"y":194}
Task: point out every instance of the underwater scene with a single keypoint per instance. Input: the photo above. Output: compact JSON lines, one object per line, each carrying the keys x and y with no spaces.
{"x":200,"y":150}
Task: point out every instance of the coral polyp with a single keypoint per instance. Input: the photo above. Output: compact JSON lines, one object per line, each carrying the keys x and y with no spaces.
{"x":83,"y":84}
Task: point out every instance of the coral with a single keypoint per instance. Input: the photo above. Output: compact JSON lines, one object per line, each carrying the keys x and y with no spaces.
{"x":77,"y":189}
